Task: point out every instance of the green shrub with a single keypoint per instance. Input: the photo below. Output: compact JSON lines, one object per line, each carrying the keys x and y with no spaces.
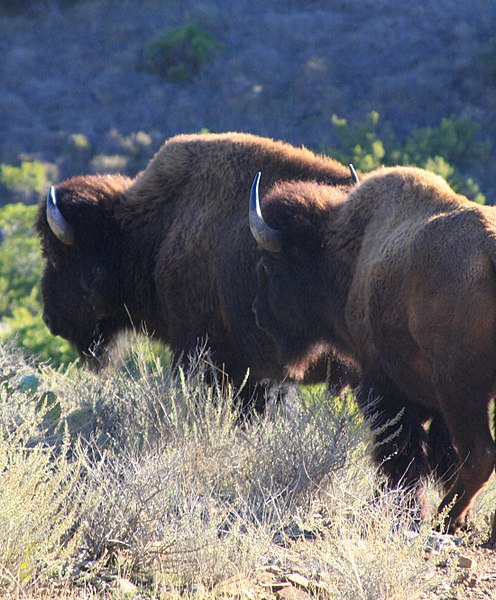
{"x":25,"y":328}
{"x":178,"y":54}
{"x":454,"y":139}
{"x":20,"y":298}
{"x":28,"y":177}
{"x":20,"y":258}
{"x":447,"y":150}
{"x":77,"y":152}
{"x":360,"y":144}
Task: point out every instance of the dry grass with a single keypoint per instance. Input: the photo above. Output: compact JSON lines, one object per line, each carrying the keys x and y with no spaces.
{"x":147,"y":483}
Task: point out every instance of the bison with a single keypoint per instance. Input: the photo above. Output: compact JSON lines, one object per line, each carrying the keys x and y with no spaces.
{"x":171,"y":252}
{"x":397,"y":274}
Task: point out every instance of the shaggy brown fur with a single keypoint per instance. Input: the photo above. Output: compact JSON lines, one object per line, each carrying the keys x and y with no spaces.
{"x":399,"y":274}
{"x":171,"y":251}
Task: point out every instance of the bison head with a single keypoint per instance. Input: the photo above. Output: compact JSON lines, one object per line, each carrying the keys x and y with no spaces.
{"x":80,"y":243}
{"x":287,"y":301}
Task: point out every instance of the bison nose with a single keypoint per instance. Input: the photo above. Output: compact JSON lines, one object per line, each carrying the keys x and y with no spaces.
{"x":50,"y":324}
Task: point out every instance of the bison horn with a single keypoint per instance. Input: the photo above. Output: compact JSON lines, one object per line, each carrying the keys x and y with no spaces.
{"x":60,"y":227}
{"x":266,"y":237}
{"x":354,"y":175}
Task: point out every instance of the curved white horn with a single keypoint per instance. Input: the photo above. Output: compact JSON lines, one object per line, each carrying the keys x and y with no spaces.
{"x":268,"y":238}
{"x":354,"y":175}
{"x":60,"y":227}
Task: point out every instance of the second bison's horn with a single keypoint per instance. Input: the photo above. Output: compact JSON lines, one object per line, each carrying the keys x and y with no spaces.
{"x":266,"y":237}
{"x":354,"y":175}
{"x":60,"y":227}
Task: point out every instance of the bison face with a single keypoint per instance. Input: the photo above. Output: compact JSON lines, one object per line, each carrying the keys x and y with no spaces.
{"x":74,"y":308}
{"x":282,"y":308}
{"x":287,"y":273}
{"x":79,"y":282}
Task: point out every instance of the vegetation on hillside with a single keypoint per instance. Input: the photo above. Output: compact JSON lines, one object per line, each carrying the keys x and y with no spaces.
{"x":448,"y":150}
{"x":178,"y":54}
{"x":20,"y":298}
{"x":146,"y":484}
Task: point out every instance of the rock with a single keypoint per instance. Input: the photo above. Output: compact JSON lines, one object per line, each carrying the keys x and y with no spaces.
{"x":465,"y":562}
{"x":292,"y":593}
{"x":29,"y":384}
{"x":298,"y":580}
{"x":276,"y":586}
{"x":126,"y":588}
{"x":236,"y":586}
{"x":436,"y":542}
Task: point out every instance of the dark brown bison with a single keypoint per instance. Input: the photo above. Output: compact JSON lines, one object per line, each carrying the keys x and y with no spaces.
{"x":398,"y":274}
{"x":171,"y":251}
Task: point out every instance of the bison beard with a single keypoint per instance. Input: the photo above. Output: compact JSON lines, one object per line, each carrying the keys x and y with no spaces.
{"x":399,"y":274}
{"x":171,"y":252}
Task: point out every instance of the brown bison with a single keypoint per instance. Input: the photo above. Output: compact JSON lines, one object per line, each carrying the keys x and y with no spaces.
{"x":171,"y":251}
{"x":398,"y":274}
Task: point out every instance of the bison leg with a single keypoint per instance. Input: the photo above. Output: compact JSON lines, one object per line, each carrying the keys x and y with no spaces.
{"x":470,"y":430}
{"x":254,"y":398}
{"x":338,"y":374}
{"x":250,"y":396}
{"x":441,"y":455}
{"x":400,"y":449}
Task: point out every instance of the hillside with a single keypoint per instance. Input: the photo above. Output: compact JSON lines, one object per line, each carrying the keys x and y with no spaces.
{"x":283,"y":69}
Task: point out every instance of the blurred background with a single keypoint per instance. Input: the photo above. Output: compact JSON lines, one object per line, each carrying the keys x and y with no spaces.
{"x":90,"y":86}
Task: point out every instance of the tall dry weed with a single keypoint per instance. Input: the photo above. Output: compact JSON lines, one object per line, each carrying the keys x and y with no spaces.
{"x":151,"y":476}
